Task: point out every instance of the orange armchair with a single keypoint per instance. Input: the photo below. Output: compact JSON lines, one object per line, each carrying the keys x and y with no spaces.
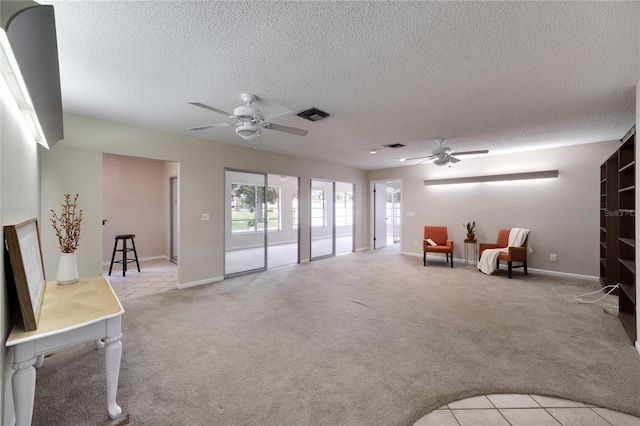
{"x":515,"y":254}
{"x":437,"y":234}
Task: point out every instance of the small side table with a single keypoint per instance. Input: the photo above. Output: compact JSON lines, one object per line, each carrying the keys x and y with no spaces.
{"x":474,"y":244}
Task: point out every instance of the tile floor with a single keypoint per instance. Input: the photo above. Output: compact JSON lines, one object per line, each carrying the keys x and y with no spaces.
{"x":486,"y":410}
{"x":523,"y":410}
{"x":155,"y":276}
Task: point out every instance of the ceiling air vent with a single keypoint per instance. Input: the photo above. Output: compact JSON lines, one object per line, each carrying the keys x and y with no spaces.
{"x":393,"y":145}
{"x":313,"y":114}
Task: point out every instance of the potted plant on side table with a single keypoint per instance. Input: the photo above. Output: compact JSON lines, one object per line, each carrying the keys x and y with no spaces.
{"x":471,"y":228}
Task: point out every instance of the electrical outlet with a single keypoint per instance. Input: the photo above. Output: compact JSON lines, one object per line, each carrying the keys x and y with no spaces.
{"x":205,"y":216}
{"x":553,"y":257}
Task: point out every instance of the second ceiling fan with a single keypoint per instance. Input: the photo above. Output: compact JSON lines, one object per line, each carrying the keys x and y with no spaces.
{"x":444,"y":155}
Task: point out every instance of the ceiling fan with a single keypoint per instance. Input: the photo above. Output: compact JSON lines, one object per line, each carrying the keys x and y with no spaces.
{"x":443,"y":155}
{"x":250,"y":121}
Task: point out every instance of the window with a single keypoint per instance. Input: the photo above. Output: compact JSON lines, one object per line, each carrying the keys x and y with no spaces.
{"x":318,"y":209}
{"x":344,"y":208}
{"x":273,"y":208}
{"x":294,"y":208}
{"x":248,"y":208}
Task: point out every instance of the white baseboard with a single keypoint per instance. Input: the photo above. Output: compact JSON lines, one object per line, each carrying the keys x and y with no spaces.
{"x":539,"y":271}
{"x":564,"y":274}
{"x":304,"y":260}
{"x":141,"y":259}
{"x":200,"y":282}
{"x":408,"y":253}
{"x":638,"y":347}
{"x":363,"y":249}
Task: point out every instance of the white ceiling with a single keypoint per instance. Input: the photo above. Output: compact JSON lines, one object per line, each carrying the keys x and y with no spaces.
{"x":502,"y":76}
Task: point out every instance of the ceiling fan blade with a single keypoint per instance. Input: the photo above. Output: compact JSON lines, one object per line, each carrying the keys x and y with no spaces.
{"x":454,"y":159}
{"x":482,"y":151}
{"x":286,"y":129}
{"x":273,"y":112}
{"x":219,"y":111}
{"x":426,"y":158}
{"x":210,"y":126}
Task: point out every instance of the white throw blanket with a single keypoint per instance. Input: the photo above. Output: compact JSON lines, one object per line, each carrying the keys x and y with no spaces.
{"x":487,"y":264}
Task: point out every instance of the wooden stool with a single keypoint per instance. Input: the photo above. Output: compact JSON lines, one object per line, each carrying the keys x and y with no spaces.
{"x":124,"y":250}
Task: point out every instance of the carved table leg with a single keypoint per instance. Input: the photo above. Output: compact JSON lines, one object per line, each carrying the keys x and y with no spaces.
{"x":113,"y":353}
{"x":24,"y":390}
{"x":39,"y":361}
{"x":98,"y":344}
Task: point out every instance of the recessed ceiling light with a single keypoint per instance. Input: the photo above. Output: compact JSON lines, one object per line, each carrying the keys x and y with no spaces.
{"x":402,"y":159}
{"x":373,"y":151}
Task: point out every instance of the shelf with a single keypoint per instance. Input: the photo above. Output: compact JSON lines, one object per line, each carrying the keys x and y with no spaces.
{"x":627,"y":188}
{"x":603,"y":244}
{"x":630,"y":291}
{"x":630,"y":265}
{"x":628,"y":241}
{"x":603,"y":261}
{"x":603,"y":229}
{"x":626,"y":166}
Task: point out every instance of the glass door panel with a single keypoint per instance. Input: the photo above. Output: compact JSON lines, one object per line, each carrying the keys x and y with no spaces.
{"x":322,"y":219}
{"x":246,"y":222}
{"x":344,"y":202}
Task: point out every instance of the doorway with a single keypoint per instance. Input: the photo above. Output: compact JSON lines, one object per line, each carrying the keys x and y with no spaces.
{"x":387,"y":208}
{"x":137,"y":199}
{"x":261,"y":221}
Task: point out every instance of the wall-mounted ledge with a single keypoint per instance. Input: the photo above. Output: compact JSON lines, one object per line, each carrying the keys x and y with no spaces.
{"x":494,"y":178}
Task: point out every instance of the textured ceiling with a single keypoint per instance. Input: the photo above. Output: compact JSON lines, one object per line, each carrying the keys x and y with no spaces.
{"x":502,"y":76}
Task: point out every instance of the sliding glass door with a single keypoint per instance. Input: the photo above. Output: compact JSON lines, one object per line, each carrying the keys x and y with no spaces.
{"x":344,"y":215}
{"x":246,"y":222}
{"x":322,"y":219}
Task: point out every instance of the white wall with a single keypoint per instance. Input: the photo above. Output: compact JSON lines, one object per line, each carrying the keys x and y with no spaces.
{"x":19,"y":196}
{"x":74,"y":165}
{"x":561,"y":213}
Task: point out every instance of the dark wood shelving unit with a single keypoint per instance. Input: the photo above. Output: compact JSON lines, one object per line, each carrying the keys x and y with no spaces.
{"x":626,"y":219}
{"x":608,"y":222}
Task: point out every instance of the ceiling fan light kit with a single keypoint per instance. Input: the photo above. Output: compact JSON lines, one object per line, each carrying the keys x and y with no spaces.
{"x":250,"y":121}
{"x":248,"y":131}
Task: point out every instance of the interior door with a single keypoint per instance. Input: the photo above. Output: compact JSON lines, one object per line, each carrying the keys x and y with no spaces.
{"x":246,"y":222}
{"x":379,"y":215}
{"x":173,"y":196}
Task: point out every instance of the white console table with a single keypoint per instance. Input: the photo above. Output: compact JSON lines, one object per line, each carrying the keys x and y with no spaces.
{"x":86,"y":310}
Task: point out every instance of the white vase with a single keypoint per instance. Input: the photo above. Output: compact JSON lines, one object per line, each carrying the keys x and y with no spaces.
{"x":67,"y":269}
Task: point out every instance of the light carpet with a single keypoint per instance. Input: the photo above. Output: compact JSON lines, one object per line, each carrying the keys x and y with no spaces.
{"x":371,"y":338}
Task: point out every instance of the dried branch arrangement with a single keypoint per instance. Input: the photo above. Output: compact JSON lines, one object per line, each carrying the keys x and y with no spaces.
{"x":67,"y":225}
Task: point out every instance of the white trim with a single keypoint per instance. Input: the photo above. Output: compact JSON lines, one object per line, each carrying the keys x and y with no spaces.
{"x":304,"y":260}
{"x":141,"y":259}
{"x":638,"y":347}
{"x":540,"y":271}
{"x":363,"y":249}
{"x":412,"y":254}
{"x":200,"y":282}
{"x":566,"y":274}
